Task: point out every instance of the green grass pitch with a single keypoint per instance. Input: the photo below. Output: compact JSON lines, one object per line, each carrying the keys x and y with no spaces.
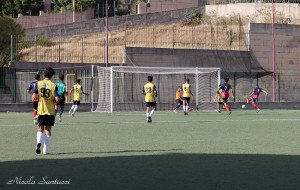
{"x":204,"y":150}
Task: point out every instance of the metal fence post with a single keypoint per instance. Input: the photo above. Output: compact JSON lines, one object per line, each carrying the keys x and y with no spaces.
{"x":59,"y":51}
{"x":11,"y":48}
{"x":173,"y":36}
{"x":15,"y":85}
{"x":234,"y":86}
{"x":35,"y":49}
{"x":278,"y":88}
{"x":82,"y":50}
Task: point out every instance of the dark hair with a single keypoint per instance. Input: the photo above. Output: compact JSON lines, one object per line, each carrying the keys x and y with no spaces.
{"x":187,"y":80}
{"x":150,"y":78}
{"x":226,"y":79}
{"x":179,"y":87}
{"x":78,"y":80}
{"x":62,"y":77}
{"x":49,"y":72}
{"x":37,"y":76}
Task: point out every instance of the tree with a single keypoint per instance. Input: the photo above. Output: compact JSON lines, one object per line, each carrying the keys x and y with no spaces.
{"x":25,"y":7}
{"x":8,"y":27}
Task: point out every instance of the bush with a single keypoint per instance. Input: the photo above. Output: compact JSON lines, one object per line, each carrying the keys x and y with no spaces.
{"x":43,"y":41}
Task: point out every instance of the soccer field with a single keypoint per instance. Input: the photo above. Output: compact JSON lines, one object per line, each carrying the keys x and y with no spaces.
{"x":204,"y":150}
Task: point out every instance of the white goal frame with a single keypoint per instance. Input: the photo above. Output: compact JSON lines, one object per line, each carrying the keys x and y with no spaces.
{"x":159,"y":68}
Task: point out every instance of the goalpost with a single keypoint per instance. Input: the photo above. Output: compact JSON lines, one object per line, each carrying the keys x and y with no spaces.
{"x":120,"y":87}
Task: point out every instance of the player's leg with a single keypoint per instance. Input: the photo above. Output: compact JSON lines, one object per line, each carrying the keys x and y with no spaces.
{"x":184,"y":106}
{"x":39,"y":138}
{"x":70,"y":112}
{"x":56,"y":108}
{"x":35,"y":106}
{"x":254,"y":105}
{"x":226,"y":105}
{"x":153,"y":110}
{"x":188,"y":106}
{"x":47,"y":139}
{"x":75,"y":107}
{"x":147,"y":111}
{"x":219,"y":109}
{"x":249,"y":99}
{"x":62,"y":105}
{"x":178,"y":103}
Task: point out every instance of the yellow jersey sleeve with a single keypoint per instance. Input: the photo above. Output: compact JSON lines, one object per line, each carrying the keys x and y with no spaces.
{"x":220,"y":95}
{"x":186,"y":90}
{"x":47,"y":91}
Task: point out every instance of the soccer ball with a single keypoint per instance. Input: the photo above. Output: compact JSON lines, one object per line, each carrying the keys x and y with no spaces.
{"x":243,"y":106}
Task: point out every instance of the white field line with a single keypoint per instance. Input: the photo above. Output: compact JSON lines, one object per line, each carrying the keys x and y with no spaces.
{"x":133,"y":122}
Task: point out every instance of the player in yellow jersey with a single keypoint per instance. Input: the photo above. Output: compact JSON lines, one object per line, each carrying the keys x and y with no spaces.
{"x":219,"y":98}
{"x":77,"y":89}
{"x":149,"y":90}
{"x":186,"y":88}
{"x":47,"y":94}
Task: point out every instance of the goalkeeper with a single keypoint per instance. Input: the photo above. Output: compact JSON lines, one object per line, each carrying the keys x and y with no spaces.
{"x":178,"y":99}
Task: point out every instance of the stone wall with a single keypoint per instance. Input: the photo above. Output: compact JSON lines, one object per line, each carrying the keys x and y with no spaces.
{"x":49,"y":19}
{"x":115,"y":23}
{"x":287,"y":55}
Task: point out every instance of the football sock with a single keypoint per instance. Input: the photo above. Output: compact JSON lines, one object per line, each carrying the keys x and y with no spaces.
{"x":184,"y":108}
{"x":75,"y":108}
{"x":55,"y":112}
{"x":147,"y":115}
{"x":227,"y":108}
{"x":178,"y":107}
{"x":254,"y":105}
{"x":152,"y":112}
{"x":34,"y":113}
{"x":187,"y":108}
{"x":61,"y":112}
{"x":46,"y":143}
{"x":249,"y":99}
{"x":72,"y":107}
{"x":39,"y":137}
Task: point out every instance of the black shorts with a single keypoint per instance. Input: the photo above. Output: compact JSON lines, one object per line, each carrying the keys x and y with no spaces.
{"x":62,"y":100}
{"x":46,"y":120}
{"x":76,"y":103}
{"x":254,"y":100}
{"x":220,"y":103}
{"x":150,"y":104}
{"x":225,"y":100}
{"x":35,"y":105}
{"x":178,"y":102}
{"x":186,"y":98}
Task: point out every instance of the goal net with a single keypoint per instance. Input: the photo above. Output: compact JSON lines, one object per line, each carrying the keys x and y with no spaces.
{"x":120,"y":87}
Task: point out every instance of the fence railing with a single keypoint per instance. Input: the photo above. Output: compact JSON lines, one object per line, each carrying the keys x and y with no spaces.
{"x":92,"y":49}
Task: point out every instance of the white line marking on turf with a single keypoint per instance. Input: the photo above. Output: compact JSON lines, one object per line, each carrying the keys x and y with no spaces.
{"x":139,"y":122}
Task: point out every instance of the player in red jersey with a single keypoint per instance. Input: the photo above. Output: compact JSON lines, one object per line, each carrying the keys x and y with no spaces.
{"x":254,"y":96}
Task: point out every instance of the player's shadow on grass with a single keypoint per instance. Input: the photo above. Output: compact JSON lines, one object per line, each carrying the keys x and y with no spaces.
{"x":114,"y":152}
{"x":160,"y":172}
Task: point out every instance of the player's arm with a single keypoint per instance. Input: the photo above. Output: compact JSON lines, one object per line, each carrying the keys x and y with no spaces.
{"x":29,"y":90}
{"x":232,"y":94}
{"x":155,"y":91}
{"x":251,"y":94}
{"x":56,"y":96}
{"x":72,"y":89}
{"x":84,"y":92}
{"x":216,"y":97}
{"x":35,"y":94}
{"x":65,"y":91}
{"x":143,"y":91}
{"x":265,"y":92}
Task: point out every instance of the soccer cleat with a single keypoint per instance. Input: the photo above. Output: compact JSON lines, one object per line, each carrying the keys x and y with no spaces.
{"x":191,"y":109}
{"x":185,"y":113}
{"x":38,"y":146}
{"x":257,"y":110}
{"x":175,"y":111}
{"x":73,"y":115}
{"x":229,"y":113}
{"x":45,"y":152}
{"x":59,"y":118}
{"x":219,"y":111}
{"x":149,"y":120}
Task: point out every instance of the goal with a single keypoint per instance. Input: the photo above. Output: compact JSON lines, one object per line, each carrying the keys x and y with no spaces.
{"x":120,"y":87}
